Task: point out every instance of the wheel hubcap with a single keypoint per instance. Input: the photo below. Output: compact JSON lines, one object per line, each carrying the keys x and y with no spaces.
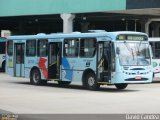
{"x":35,"y":77}
{"x":91,"y":81}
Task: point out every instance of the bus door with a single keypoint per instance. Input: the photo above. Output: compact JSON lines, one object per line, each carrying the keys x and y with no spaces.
{"x":104,"y":62}
{"x":19,"y":59}
{"x":54,"y":60}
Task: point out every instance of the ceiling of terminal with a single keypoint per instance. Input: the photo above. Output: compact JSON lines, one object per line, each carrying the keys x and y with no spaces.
{"x":148,"y":11}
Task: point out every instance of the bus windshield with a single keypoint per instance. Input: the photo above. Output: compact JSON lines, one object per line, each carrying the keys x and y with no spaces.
{"x":133,"y":53}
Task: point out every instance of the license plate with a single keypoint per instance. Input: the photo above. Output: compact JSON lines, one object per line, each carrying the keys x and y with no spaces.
{"x":138,"y":78}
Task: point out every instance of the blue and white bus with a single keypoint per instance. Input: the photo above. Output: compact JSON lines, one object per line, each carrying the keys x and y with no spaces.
{"x":2,"y":52}
{"x":155,"y":44}
{"x":94,"y":59}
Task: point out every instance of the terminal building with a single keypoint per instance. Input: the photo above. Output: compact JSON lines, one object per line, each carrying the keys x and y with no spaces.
{"x":52,"y":16}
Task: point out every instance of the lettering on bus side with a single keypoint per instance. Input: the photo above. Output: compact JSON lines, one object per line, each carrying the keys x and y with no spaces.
{"x":88,"y":62}
{"x":30,"y":62}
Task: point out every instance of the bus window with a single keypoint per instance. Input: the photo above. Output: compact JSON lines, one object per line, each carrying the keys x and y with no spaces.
{"x":87,"y":47}
{"x":71,"y":47}
{"x":113,"y":58}
{"x":10,"y":48}
{"x":31,"y":48}
{"x":42,"y":48}
{"x":155,"y":49}
{"x":19,"y":53}
{"x":2,"y":50}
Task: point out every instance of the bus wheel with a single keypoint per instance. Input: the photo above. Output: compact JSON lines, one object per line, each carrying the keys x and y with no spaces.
{"x":64,"y":83}
{"x":121,"y":86}
{"x":35,"y":77}
{"x":91,"y":82}
{"x":3,"y":67}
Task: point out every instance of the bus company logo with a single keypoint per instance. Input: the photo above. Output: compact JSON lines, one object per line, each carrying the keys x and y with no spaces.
{"x":138,"y":72}
{"x":30,"y":61}
{"x":154,"y":64}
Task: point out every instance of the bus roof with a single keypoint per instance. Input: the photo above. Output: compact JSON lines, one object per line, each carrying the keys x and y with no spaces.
{"x":57,"y":35}
{"x":114,"y":35}
{"x":110,"y":35}
{"x":154,"y":39}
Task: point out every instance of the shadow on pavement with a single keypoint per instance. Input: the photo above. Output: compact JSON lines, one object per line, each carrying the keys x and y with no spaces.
{"x":79,"y":87}
{"x":157,"y":81}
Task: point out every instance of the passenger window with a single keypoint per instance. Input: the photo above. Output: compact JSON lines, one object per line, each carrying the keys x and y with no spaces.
{"x":42,"y":48}
{"x":71,"y":47}
{"x":87,"y":47}
{"x":31,"y":48}
{"x":156,"y":49}
{"x":2,"y":50}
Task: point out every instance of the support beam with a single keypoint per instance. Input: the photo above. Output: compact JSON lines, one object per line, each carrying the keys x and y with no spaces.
{"x":67,"y":22}
{"x":156,"y":29}
{"x":147,"y":26}
{"x":148,"y":23}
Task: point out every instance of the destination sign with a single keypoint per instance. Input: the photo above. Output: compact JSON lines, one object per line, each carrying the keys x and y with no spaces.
{"x":132,"y":37}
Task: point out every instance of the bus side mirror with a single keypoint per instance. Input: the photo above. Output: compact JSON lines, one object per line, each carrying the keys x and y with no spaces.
{"x":118,"y":50}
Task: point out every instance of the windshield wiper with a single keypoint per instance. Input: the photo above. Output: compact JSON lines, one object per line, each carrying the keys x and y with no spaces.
{"x":139,"y":47}
{"x":129,"y":49}
{"x":132,"y":53}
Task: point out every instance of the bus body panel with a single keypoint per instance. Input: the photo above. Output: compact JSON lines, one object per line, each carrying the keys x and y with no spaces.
{"x":30,"y":62}
{"x":73,"y":68}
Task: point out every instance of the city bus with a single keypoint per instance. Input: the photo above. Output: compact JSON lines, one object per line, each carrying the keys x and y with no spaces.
{"x":2,"y":53}
{"x":155,"y":44}
{"x":92,"y":59}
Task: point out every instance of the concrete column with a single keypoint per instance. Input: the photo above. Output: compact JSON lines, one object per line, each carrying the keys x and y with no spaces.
{"x":147,"y":26}
{"x":67,"y":22}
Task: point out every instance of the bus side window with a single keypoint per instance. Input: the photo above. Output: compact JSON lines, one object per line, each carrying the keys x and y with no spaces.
{"x":31,"y":48}
{"x":87,"y":47}
{"x":157,"y":50}
{"x":2,"y":50}
{"x":71,"y":47}
{"x":42,"y":48}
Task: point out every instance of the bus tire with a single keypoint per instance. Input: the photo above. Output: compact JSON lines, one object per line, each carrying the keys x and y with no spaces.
{"x":121,"y":86}
{"x":35,"y":77}
{"x":3,"y":66}
{"x":91,"y":82}
{"x":64,"y":83}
